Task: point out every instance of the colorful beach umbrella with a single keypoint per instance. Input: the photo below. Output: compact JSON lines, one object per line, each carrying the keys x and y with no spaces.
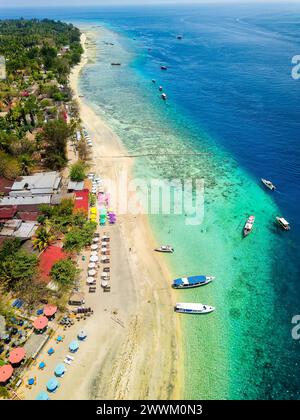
{"x":60,"y":369}
{"x":40,"y":323}
{"x":43,"y":396}
{"x":51,"y":351}
{"x":52,"y":384}
{"x":50,"y":310}
{"x":74,"y":346}
{"x":59,"y":338}
{"x":6,"y":372}
{"x":30,"y":381}
{"x":17,"y":355}
{"x":90,"y":280}
{"x":82,"y":335}
{"x":42,"y":365}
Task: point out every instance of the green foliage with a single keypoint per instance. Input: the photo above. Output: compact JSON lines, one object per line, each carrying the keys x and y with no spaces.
{"x":16,"y":266}
{"x":43,"y":237}
{"x":78,"y":238}
{"x":4,"y":392}
{"x":9,"y":166}
{"x":64,"y":273}
{"x":77,"y":171}
{"x":55,"y":136}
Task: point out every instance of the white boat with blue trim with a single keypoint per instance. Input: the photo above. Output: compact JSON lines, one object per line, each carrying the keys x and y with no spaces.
{"x":192,"y":281}
{"x":193,"y":308}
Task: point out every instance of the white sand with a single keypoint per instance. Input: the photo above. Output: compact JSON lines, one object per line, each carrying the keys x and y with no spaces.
{"x":133,"y":350}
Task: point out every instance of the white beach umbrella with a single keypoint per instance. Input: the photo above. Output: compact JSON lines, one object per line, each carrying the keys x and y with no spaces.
{"x":105,"y":237}
{"x":92,"y":273}
{"x":93,"y":253}
{"x":96,"y":240}
{"x":104,"y":275}
{"x":92,"y":265}
{"x":94,"y":247}
{"x":90,"y":280}
{"x":94,"y":258}
{"x":104,"y":283}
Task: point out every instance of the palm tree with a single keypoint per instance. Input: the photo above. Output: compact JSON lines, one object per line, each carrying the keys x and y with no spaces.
{"x":26,"y":164}
{"x":43,"y":237}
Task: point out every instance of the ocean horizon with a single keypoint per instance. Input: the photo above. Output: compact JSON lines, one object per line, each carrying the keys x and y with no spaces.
{"x":233,"y":102}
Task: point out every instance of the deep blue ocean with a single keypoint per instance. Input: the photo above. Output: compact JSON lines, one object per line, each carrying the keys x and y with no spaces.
{"x":230,"y":76}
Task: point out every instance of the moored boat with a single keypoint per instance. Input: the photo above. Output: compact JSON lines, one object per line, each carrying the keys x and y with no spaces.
{"x":115,"y":64}
{"x":163,"y":67}
{"x":160,"y":88}
{"x":283,"y":223}
{"x":190,"y":282}
{"x":268,"y":184}
{"x":249,"y":225}
{"x":165,"y":248}
{"x":193,"y":308}
{"x":164,"y":96}
{"x":179,"y":37}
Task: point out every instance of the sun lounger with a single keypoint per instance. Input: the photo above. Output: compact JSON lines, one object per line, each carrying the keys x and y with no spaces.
{"x":67,"y":361}
{"x":70,"y":357}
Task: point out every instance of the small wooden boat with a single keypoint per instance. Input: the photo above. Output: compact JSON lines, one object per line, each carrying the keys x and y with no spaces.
{"x":268,"y":184}
{"x":283,"y":223}
{"x":248,"y":225}
{"x":165,"y":248}
{"x":193,"y":308}
{"x":115,"y":64}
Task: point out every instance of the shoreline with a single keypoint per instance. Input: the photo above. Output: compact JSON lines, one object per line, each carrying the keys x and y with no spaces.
{"x":137,"y":243}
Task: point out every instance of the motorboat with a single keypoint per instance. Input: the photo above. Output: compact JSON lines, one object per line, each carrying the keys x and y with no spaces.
{"x":283,"y":223}
{"x":190,"y":282}
{"x":165,"y":248}
{"x":163,"y":67}
{"x":268,"y":184}
{"x":248,"y":225}
{"x":193,"y":308}
{"x":115,"y":64}
{"x":179,"y":37}
{"x":160,"y":88}
{"x":164,"y":96}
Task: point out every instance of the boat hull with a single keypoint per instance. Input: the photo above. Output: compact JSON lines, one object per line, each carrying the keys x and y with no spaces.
{"x":196,"y":310}
{"x":190,"y":286}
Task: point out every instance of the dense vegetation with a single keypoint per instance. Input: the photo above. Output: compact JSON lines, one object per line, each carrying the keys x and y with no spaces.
{"x":33,"y":97}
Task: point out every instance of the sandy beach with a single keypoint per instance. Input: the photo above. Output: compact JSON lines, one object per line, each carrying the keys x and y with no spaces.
{"x":133,"y":347}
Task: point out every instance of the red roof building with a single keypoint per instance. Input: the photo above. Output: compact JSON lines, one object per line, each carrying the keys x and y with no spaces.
{"x":7,"y":213}
{"x":82,"y":201}
{"x":5,"y":186}
{"x":28,"y":216}
{"x":47,"y":259}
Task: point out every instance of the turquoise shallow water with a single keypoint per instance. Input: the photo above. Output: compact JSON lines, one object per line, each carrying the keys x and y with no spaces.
{"x":233,"y":101}
{"x":226,"y":353}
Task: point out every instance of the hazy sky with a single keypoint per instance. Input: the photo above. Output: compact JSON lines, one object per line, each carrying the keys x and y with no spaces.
{"x":28,"y":3}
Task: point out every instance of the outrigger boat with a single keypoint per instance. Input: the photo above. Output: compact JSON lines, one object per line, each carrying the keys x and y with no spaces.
{"x":165,"y":248}
{"x":249,"y":225}
{"x":283,"y":223}
{"x":193,"y":308}
{"x":190,"y":282}
{"x":268,"y":184}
